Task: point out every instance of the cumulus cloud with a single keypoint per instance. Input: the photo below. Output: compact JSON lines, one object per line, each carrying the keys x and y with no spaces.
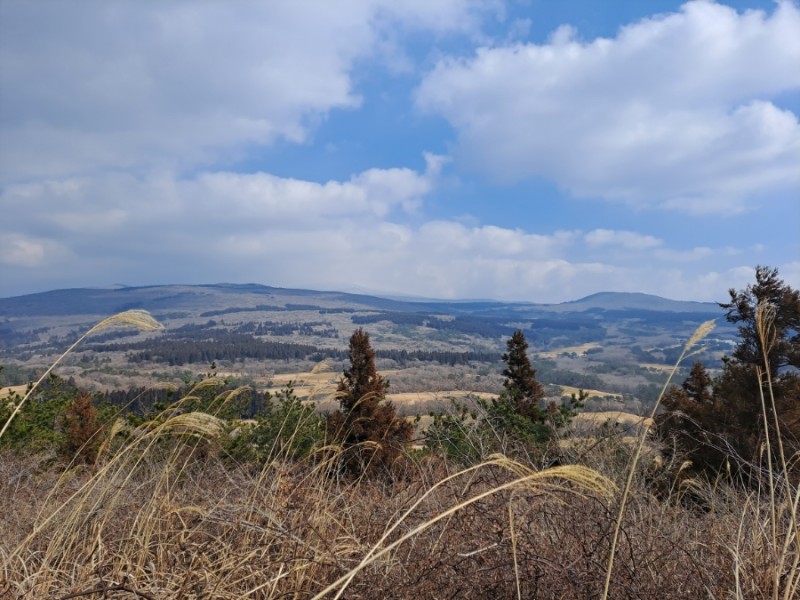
{"x":676,"y":111}
{"x":124,"y":84}
{"x":222,"y":226}
{"x":106,"y":206}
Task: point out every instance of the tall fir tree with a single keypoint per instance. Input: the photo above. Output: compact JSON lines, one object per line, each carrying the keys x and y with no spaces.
{"x":372,"y":435}
{"x":521,"y":385}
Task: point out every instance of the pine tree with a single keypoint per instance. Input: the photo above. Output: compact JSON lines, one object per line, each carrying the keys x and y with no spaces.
{"x":726,"y":426}
{"x":521,"y":386}
{"x":81,"y":429}
{"x":784,"y":302}
{"x":361,"y":381}
{"x":372,"y":435}
{"x":698,"y":385}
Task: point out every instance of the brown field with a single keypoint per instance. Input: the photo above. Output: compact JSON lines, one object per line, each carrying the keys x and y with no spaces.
{"x":423,"y":397}
{"x":7,"y":391}
{"x":616,"y":417}
{"x":189,"y":524}
{"x":568,"y":389}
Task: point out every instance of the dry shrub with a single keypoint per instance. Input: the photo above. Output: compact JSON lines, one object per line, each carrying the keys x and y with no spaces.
{"x":180,"y":524}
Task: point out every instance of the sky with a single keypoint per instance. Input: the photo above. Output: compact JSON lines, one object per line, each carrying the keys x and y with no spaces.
{"x":517,"y":150}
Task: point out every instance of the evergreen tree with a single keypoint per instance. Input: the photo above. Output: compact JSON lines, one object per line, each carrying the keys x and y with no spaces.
{"x":367,"y":426}
{"x":521,"y":386}
{"x":769,"y":291}
{"x":698,"y":386}
{"x":518,"y":412}
{"x":727,"y":426}
{"x":687,"y":421}
{"x":515,"y":423}
{"x":82,"y":430}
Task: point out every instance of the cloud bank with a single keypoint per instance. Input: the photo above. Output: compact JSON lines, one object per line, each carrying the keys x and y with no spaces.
{"x":125,"y":127}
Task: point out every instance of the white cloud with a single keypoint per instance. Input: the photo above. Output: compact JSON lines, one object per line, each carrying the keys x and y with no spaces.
{"x":675,"y":111}
{"x":106,"y":206}
{"x":629,"y":240}
{"x":20,"y":251}
{"x":29,"y":252}
{"x":123,"y":84}
{"x":221,"y":226}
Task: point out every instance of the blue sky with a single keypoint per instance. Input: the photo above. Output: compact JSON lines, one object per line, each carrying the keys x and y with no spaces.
{"x":521,"y":150}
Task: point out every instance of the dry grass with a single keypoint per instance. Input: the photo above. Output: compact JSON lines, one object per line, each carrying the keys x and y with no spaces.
{"x":167,"y":515}
{"x":567,"y":390}
{"x":176,"y":520}
{"x":11,"y":390}
{"x":615,"y":418}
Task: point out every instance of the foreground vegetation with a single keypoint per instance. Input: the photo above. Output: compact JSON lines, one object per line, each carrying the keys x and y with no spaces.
{"x":189,"y":501}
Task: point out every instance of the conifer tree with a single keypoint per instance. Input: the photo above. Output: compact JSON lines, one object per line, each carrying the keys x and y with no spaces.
{"x":784,"y":302}
{"x":367,"y":426}
{"x":698,"y":385}
{"x":521,"y":386}
{"x":726,"y":426}
{"x":81,"y":428}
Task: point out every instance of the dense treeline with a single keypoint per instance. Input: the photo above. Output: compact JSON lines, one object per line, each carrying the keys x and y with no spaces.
{"x":273,"y":308}
{"x":239,"y":309}
{"x":226,"y":345}
{"x":144,"y":401}
{"x":548,"y":372}
{"x":309,"y":328}
{"x":482,"y":326}
{"x":444,"y":357}
{"x":10,"y":338}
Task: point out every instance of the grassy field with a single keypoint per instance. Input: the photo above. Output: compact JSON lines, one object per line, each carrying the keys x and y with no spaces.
{"x":567,"y":390}
{"x":14,"y":389}
{"x":617,"y":418}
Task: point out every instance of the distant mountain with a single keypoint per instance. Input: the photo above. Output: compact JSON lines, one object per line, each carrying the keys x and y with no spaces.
{"x":637,"y":301}
{"x":203,"y":298}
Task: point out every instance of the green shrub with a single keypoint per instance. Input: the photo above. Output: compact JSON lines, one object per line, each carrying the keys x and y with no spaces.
{"x":289,"y":428}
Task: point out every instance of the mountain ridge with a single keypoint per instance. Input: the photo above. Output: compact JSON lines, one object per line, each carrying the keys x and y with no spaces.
{"x":175,"y":296}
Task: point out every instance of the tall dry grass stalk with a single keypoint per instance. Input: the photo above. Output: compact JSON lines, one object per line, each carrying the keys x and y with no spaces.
{"x":789,"y":498}
{"x":548,"y":481}
{"x":700,"y":333}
